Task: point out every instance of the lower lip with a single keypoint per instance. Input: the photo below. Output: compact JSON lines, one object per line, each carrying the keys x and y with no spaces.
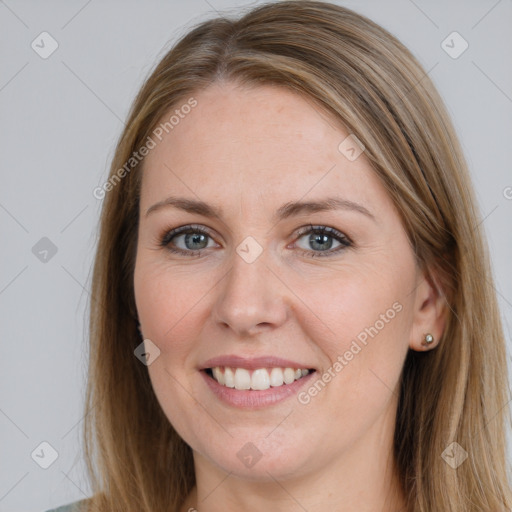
{"x":252,"y":399}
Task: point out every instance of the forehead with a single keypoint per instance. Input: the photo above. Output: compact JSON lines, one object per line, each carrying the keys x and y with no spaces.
{"x":243,"y":145}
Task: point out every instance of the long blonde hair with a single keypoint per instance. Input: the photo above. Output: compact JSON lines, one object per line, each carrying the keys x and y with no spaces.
{"x":368,"y":81}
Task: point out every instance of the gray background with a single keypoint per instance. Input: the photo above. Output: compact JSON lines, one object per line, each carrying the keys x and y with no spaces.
{"x":61,"y":118}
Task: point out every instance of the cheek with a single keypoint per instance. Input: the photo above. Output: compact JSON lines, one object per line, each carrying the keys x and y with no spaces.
{"x":355,"y":304}
{"x":168,"y":308}
{"x":167,"y":302}
{"x":360,"y":319}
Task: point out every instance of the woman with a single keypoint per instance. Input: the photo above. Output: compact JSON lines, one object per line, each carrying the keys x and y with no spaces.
{"x":292,"y":301}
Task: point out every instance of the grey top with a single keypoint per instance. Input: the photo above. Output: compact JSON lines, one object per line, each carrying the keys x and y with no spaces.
{"x":70,"y":507}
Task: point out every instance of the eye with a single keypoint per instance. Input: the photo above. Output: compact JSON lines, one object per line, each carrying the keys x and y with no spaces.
{"x":192,"y":239}
{"x":321,"y":239}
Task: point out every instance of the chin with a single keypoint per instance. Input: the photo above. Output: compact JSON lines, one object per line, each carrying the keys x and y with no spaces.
{"x":256,"y":457}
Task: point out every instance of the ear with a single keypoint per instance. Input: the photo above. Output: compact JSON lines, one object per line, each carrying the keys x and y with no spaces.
{"x":429,"y":316}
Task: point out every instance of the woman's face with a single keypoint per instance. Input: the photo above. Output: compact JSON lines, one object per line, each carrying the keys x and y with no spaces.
{"x":256,"y":294}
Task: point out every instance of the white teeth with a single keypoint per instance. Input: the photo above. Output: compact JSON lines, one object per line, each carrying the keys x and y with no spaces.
{"x":276,"y":377}
{"x":219,"y":376}
{"x":229,"y":378}
{"x":289,"y":375}
{"x":242,"y":379}
{"x":260,"y":379}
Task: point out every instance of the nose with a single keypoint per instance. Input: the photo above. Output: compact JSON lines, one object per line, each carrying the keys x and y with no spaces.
{"x":250,"y":298}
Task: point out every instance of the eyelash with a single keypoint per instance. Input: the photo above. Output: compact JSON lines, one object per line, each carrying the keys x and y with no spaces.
{"x":166,"y":238}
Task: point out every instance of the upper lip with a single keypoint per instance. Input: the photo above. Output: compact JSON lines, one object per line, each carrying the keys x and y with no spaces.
{"x":252,"y":363}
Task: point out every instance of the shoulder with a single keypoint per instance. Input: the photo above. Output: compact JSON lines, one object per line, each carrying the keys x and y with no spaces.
{"x":75,"y":506}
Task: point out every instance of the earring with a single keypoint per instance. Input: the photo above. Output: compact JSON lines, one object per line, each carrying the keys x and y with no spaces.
{"x":428,"y":340}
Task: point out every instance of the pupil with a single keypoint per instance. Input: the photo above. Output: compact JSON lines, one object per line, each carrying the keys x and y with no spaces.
{"x":195,"y":239}
{"x":320,"y":240}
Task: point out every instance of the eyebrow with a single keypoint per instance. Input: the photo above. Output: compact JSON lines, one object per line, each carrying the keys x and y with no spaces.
{"x":285,"y":211}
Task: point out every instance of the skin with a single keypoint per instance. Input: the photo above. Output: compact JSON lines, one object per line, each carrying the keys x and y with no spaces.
{"x":249,"y":151}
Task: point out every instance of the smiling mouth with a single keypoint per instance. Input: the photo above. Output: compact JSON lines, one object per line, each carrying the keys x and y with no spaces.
{"x":258,"y":380}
